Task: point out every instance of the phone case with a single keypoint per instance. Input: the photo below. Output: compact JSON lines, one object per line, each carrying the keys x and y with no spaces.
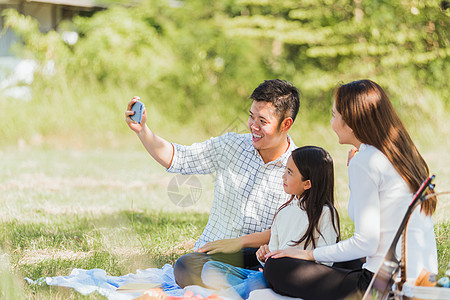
{"x":138,"y":109}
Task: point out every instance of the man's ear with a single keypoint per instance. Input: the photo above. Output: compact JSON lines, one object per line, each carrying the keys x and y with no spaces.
{"x":307,"y":184}
{"x":286,"y":124}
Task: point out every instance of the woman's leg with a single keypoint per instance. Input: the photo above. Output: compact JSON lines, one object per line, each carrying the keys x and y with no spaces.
{"x":309,"y":280}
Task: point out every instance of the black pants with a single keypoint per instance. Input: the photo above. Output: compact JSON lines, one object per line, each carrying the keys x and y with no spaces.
{"x":309,"y":280}
{"x":188,"y":268}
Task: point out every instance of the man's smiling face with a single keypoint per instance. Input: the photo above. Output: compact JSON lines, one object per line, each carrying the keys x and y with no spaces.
{"x":263,"y":123}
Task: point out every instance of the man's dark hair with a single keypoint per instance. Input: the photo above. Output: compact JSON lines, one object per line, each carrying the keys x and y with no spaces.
{"x":282,"y":94}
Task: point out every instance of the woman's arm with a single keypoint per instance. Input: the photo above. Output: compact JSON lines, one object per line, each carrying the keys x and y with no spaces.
{"x":292,"y":252}
{"x":364,"y":208}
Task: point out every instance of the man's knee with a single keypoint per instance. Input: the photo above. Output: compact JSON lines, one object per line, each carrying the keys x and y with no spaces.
{"x":188,"y":269}
{"x":213,"y":275}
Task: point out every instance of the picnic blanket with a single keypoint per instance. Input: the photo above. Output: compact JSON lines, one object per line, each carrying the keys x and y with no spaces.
{"x":268,"y":294}
{"x":96,"y":280}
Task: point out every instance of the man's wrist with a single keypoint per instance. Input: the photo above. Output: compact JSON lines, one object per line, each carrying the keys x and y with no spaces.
{"x":242,"y":241}
{"x":144,"y":131}
{"x":255,"y":240}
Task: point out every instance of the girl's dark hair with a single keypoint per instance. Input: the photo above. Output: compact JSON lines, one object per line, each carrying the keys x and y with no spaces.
{"x":367,"y":110}
{"x":315,"y":164}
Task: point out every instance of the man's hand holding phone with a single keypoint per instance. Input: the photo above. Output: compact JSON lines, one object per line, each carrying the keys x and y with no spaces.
{"x":136,"y":115}
{"x":160,"y":149}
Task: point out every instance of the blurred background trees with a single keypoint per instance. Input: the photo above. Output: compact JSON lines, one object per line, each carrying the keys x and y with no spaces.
{"x":196,"y":62}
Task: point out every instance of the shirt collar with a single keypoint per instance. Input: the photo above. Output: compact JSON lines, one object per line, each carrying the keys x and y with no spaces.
{"x":362,"y":147}
{"x":282,"y":160}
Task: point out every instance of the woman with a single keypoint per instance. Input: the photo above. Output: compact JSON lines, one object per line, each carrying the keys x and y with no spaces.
{"x":382,"y":178}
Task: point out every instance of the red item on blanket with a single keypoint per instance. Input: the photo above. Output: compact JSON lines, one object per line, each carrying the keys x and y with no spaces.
{"x":158,"y":294}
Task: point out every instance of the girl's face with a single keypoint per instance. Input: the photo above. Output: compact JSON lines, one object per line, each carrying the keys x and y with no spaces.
{"x":293,"y":182}
{"x":343,"y":131}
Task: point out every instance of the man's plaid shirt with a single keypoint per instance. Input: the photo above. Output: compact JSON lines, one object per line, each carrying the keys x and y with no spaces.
{"x":247,"y":192}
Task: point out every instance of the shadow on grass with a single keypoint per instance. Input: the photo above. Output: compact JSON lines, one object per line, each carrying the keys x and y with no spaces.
{"x":56,"y":247}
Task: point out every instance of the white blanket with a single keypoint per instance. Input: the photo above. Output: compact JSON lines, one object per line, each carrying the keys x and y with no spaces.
{"x":96,"y":280}
{"x":267,"y":294}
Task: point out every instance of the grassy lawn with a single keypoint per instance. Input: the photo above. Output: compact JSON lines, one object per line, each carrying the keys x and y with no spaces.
{"x":109,"y":208}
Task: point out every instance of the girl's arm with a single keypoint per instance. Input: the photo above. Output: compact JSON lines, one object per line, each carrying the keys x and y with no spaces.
{"x":328,"y":234}
{"x":261,"y":254}
{"x":274,"y":242}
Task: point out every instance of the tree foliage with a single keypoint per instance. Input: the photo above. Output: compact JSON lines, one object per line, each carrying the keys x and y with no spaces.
{"x":185,"y":54}
{"x":175,"y":55}
{"x":403,"y":45}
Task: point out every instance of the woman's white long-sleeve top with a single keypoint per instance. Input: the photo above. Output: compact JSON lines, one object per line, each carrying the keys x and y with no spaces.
{"x":379,"y":198}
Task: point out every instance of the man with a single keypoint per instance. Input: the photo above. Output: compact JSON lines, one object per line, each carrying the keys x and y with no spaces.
{"x":248,"y":187}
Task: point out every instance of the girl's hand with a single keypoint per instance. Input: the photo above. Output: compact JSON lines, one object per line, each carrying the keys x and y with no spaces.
{"x":136,"y":127}
{"x":261,"y":253}
{"x":292,"y":252}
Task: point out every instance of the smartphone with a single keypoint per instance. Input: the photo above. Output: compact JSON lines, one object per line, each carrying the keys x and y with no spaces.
{"x":138,"y":108}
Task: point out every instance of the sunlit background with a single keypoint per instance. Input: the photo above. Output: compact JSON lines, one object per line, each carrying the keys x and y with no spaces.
{"x":68,"y":69}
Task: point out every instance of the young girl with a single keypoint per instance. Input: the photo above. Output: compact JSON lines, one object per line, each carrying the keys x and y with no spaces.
{"x":382,"y":178}
{"x":308,"y":220}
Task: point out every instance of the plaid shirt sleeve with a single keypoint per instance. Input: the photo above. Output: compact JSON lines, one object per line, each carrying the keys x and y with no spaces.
{"x":199,"y":158}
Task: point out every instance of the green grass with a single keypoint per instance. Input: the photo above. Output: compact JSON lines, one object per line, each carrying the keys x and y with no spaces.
{"x":107,"y":207}
{"x":66,"y":209}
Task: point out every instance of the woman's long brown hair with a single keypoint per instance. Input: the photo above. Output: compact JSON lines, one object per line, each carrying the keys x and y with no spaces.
{"x":367,"y":110}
